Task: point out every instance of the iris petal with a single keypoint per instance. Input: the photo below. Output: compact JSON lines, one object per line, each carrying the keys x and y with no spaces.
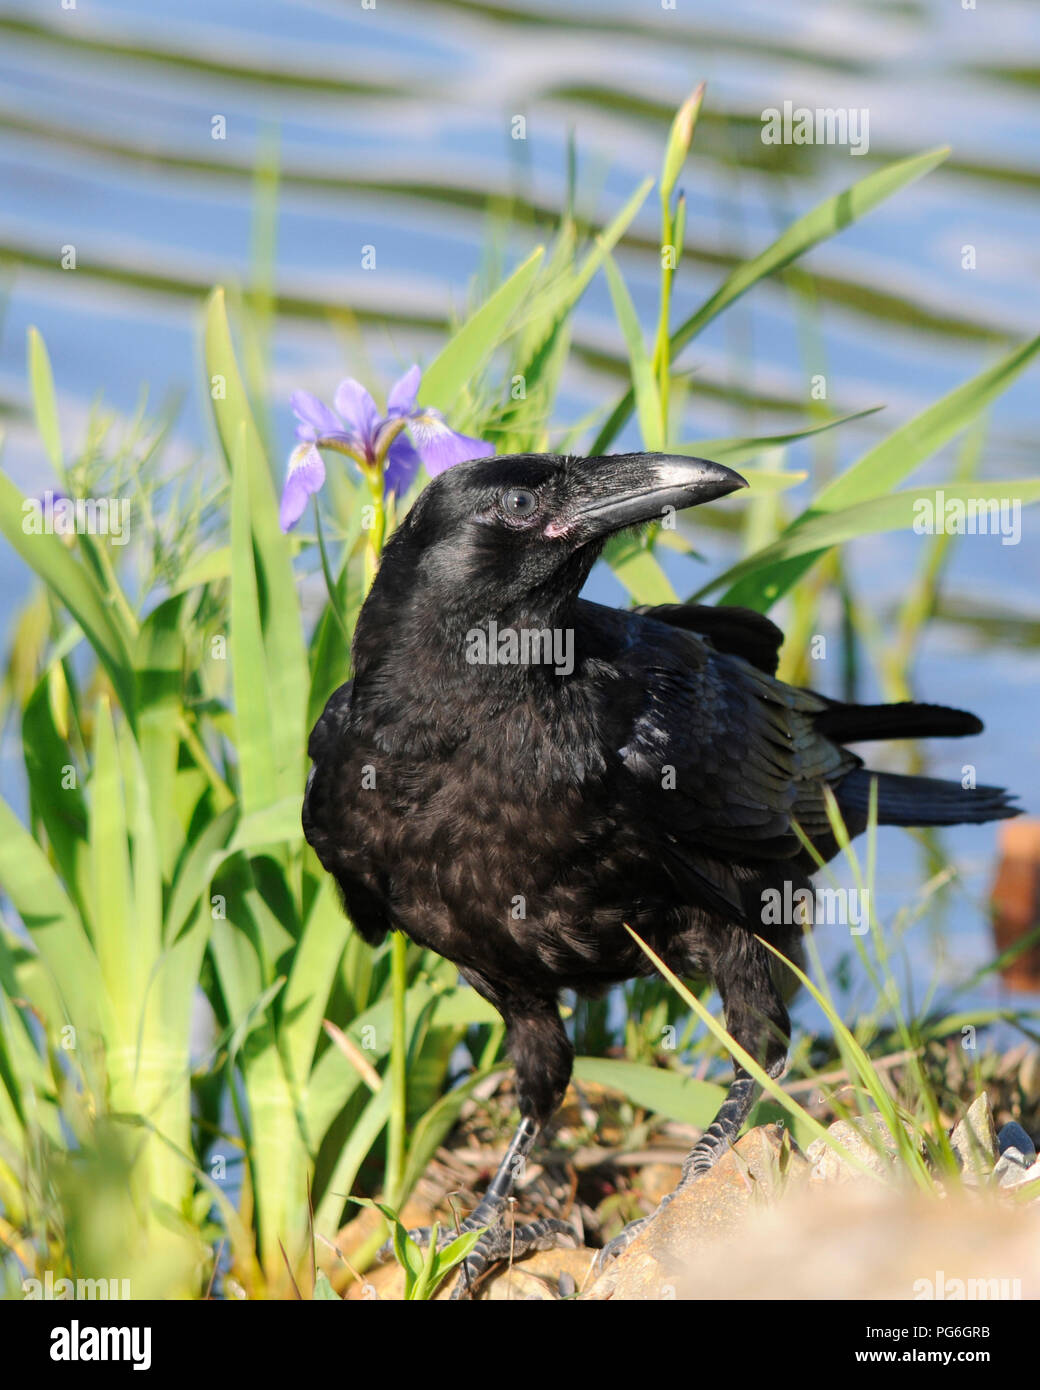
{"x":402,"y":466}
{"x":401,"y":400}
{"x":358,"y":408}
{"x":314,"y":414}
{"x":306,"y":475}
{"x":440,"y":447}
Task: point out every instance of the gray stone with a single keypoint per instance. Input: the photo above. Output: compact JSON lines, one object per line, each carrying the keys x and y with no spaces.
{"x":1013,"y":1136}
{"x":865,"y":1137}
{"x":974,"y":1140}
{"x":656,"y":1265}
{"x":1014,"y":1168}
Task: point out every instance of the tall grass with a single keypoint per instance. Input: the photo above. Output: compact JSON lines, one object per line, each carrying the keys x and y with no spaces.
{"x":198,"y":1062}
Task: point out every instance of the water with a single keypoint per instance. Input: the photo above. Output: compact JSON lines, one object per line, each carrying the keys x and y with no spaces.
{"x":107,"y":114}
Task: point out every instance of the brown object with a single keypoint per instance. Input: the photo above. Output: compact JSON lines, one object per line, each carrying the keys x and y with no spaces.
{"x":1016,"y":900}
{"x":656,"y":1265}
{"x":849,"y":1241}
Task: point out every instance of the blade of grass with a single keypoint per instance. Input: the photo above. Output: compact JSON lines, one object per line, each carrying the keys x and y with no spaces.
{"x":745,"y":1059}
{"x":460,"y":359}
{"x":825,"y":220}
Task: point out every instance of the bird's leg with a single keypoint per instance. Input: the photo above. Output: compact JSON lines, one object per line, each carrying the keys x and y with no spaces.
{"x":757,"y":1019}
{"x":724,"y":1128}
{"x":501,"y":1240}
{"x":543,"y":1056}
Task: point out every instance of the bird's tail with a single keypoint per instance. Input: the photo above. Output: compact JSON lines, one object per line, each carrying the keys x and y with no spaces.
{"x":920,"y":801}
{"x":862,"y":723}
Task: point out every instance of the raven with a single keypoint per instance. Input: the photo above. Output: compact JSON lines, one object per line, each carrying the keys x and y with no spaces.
{"x":515,"y":774}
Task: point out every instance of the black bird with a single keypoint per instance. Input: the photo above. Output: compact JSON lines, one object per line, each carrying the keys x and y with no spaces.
{"x":515,"y":773}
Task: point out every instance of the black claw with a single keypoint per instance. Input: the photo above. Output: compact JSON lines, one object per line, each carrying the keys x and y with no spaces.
{"x":445,"y":1235}
{"x":700,"y":1160}
{"x":622,"y":1241}
{"x":500,"y":1241}
{"x":503,"y":1241}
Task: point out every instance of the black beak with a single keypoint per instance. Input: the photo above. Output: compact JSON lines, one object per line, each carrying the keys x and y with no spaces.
{"x":625,"y":489}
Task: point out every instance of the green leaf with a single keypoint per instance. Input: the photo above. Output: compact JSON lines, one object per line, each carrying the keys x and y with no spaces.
{"x":280,"y":661}
{"x":323,"y":1289}
{"x":562,"y":294}
{"x":461,"y":358}
{"x":59,"y":806}
{"x":159,"y":661}
{"x":254,"y":718}
{"x":638,"y":569}
{"x":45,"y":405}
{"x":195,"y":871}
{"x":422,"y":1288}
{"x":363,"y":1134}
{"x":457,"y":1251}
{"x":881,"y":468}
{"x":889,"y":462}
{"x":734,"y":450}
{"x":311,"y":978}
{"x":654,"y":1088}
{"x":825,"y":220}
{"x":207,"y":569}
{"x":463,"y":1006}
{"x":648,"y":400}
{"x":273,"y":824}
{"x":112,"y":912}
{"x":818,"y":532}
{"x":75,"y":587}
{"x":56,"y":927}
{"x":434,"y":1127}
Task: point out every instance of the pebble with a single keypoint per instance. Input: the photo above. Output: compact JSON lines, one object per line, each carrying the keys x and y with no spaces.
{"x":974,"y":1140}
{"x":1013,"y":1136}
{"x":1014,"y":1168}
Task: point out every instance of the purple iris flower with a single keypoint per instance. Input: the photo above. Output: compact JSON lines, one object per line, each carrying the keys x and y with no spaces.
{"x":357,"y":429}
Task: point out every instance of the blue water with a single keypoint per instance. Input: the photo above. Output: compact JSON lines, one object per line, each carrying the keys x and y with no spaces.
{"x":920,"y":71}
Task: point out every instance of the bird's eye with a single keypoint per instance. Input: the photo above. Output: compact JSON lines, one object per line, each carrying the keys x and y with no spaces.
{"x":517,"y":501}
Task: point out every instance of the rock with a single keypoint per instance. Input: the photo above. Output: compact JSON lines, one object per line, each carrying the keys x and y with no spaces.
{"x":535,"y":1278}
{"x":865,"y":1137}
{"x":1029,"y":1076}
{"x":656,"y":1180}
{"x":656,"y":1263}
{"x":857,"y":1241}
{"x":538,"y":1278}
{"x":974,"y":1140}
{"x":1014,"y":1168}
{"x":1013,"y":1136}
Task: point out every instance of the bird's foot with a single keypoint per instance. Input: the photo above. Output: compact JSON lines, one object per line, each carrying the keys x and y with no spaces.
{"x":625,"y":1237}
{"x":500,"y":1240}
{"x":700,"y":1160}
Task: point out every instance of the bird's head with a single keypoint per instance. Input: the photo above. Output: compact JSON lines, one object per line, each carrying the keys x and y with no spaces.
{"x":514,"y":537}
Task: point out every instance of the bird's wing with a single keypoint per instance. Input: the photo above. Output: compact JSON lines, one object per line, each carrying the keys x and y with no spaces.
{"x":325,"y":820}
{"x":331,"y":722}
{"x":738,"y":631}
{"x":726,"y":757}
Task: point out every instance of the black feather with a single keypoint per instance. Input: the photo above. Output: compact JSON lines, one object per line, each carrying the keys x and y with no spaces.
{"x":518,"y":815}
